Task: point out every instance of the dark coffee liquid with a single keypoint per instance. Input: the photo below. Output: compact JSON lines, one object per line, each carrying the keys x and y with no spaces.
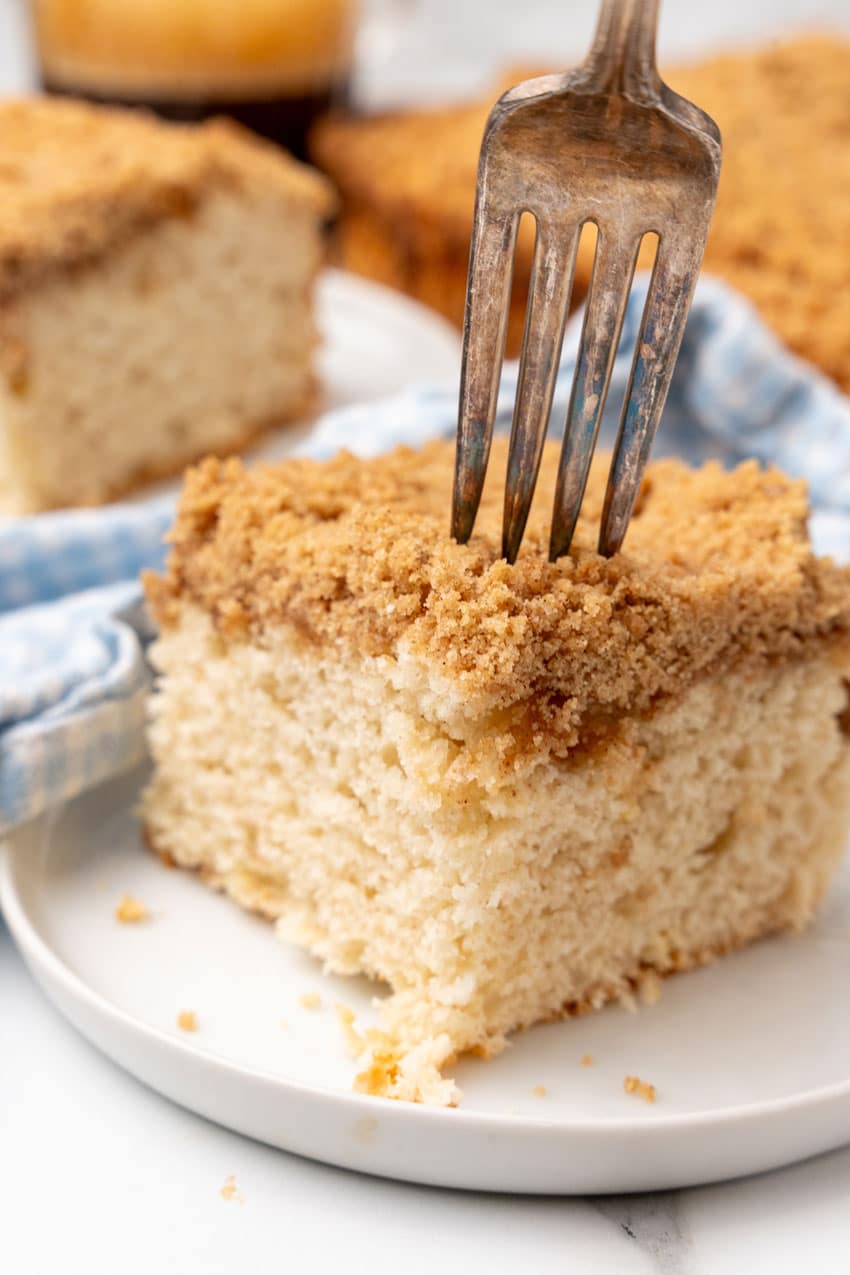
{"x":285,"y":120}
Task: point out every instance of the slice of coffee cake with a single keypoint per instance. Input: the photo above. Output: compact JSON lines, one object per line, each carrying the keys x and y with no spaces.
{"x":155,"y":297}
{"x":512,"y":793}
{"x":778,"y":234}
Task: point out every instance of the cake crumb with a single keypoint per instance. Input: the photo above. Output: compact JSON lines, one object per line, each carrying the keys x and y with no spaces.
{"x":230,"y":1191}
{"x":187,"y":1020}
{"x":131,"y":911}
{"x":649,"y":988}
{"x":643,"y":1089}
{"x":310,"y":1000}
{"x":587,"y":1060}
{"x":412,"y":1075}
{"x":539,"y":1091}
{"x":381,"y":1076}
{"x":627,"y":1000}
{"x":354,"y":1042}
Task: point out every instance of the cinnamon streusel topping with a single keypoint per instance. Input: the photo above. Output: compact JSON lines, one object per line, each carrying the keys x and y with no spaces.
{"x":717,"y":569}
{"x":77,"y":181}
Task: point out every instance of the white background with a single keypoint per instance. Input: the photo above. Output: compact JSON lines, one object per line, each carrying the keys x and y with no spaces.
{"x":97,"y":1174}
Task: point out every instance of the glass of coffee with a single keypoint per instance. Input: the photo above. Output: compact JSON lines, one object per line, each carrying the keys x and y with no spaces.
{"x":274,"y":65}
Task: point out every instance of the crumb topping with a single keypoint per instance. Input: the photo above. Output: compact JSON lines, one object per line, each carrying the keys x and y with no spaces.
{"x":716,"y":570}
{"x":131,"y":911}
{"x":421,"y":165}
{"x":640,"y":1088}
{"x":77,"y":181}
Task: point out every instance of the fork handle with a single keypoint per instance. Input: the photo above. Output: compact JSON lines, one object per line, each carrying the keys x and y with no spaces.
{"x":622,"y":56}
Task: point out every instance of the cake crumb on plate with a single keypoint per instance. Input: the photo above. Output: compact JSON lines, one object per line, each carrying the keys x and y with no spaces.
{"x":587,"y":1060}
{"x":230,"y":1191}
{"x":649,"y":988}
{"x":539,"y":1091}
{"x":354,"y":1042}
{"x":643,"y":1089}
{"x":187,"y":1020}
{"x":310,"y":1000}
{"x":131,"y":911}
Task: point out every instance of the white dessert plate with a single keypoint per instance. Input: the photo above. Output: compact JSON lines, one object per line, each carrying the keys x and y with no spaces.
{"x":373,"y":341}
{"x":750,"y":1058}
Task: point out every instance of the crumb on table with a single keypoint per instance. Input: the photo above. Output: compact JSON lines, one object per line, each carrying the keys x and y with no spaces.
{"x":587,"y":1060}
{"x":642,"y":1088}
{"x":310,"y":1000}
{"x":187,"y":1020}
{"x":539,"y":1091}
{"x":230,"y":1191}
{"x":131,"y":911}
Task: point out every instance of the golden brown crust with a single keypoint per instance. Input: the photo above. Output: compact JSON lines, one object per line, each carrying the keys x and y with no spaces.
{"x":779,"y":232}
{"x":717,"y":570}
{"x":417,"y":168}
{"x":408,"y":183}
{"x":77,"y":181}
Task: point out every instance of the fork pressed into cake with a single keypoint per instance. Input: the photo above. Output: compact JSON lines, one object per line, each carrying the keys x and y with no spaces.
{"x":607,"y":145}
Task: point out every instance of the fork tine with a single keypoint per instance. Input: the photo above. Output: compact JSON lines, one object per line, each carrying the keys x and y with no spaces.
{"x":613,"y":269}
{"x":662,"y":328}
{"x":549,"y":294}
{"x":491,"y":262}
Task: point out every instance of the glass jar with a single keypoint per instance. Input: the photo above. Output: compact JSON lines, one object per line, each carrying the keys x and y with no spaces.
{"x":274,"y":65}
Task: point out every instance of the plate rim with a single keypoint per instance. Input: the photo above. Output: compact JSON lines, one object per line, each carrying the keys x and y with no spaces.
{"x":378,"y":293}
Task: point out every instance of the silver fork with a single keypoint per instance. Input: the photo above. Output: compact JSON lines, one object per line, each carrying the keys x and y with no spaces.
{"x":608,"y":143}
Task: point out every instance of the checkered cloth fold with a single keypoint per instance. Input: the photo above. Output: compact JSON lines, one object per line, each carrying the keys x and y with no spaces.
{"x":73,"y":631}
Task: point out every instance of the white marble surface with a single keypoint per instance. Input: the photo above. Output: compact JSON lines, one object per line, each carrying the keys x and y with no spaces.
{"x":98,"y":1174}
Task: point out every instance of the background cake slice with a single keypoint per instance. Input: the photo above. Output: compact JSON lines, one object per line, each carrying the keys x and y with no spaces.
{"x":155,"y":297}
{"x":512,"y":793}
{"x":779,"y":229}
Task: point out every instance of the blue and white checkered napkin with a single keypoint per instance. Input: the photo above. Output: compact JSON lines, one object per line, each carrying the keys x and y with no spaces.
{"x":73,"y":675}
